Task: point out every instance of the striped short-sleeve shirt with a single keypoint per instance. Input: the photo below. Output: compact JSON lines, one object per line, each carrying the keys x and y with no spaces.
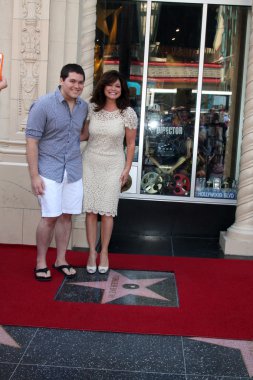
{"x":58,"y":131}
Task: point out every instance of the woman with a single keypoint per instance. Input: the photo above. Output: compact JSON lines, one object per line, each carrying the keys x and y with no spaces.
{"x":106,"y":169}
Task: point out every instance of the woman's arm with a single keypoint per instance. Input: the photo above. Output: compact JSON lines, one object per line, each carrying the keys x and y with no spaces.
{"x":84,"y":136}
{"x":130,"y":143}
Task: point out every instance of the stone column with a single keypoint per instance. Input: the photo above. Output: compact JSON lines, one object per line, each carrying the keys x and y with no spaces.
{"x":56,"y":45}
{"x":85,"y":57}
{"x":238,"y":239}
{"x":86,"y":42}
{"x":63,"y":38}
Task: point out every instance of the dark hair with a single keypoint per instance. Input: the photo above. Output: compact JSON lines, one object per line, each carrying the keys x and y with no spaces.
{"x":106,"y":79}
{"x":71,"y":68}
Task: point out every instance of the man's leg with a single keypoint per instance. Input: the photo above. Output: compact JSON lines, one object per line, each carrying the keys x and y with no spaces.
{"x":62,"y":235}
{"x":71,"y":203}
{"x":44,"y":236}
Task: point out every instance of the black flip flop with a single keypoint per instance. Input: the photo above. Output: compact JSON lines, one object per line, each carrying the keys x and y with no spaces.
{"x":61,"y":267}
{"x":40,"y":278}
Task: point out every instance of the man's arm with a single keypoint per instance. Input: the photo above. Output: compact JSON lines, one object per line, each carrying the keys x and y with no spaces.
{"x":32,"y":159}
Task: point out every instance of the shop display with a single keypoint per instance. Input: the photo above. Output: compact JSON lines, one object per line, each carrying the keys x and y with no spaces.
{"x":167,"y":158}
{"x":167,"y":152}
{"x":211,"y":181}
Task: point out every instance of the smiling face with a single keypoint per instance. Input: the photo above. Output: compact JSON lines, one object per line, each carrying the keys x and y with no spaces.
{"x":113,"y":91}
{"x":72,"y":86}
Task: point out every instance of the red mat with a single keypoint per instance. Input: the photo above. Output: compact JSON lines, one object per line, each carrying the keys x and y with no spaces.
{"x":215,"y":297}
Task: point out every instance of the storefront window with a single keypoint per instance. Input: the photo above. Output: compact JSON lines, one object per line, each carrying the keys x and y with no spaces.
{"x":175,"y":33}
{"x":220,"y":104}
{"x":193,"y":82}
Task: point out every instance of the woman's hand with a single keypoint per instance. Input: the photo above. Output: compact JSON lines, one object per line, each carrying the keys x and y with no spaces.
{"x":124,"y":177}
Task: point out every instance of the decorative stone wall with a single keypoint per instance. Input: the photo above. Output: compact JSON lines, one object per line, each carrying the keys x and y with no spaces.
{"x":30,"y":57}
{"x":26,"y":30}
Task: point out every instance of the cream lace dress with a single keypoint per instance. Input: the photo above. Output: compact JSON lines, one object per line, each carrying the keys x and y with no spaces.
{"x":104,"y":159}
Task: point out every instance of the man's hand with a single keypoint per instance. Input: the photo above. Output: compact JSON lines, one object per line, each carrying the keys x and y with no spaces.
{"x":38,"y":186}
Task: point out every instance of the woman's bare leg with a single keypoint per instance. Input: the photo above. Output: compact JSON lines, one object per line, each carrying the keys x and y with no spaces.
{"x":91,"y":231}
{"x":106,"y":233}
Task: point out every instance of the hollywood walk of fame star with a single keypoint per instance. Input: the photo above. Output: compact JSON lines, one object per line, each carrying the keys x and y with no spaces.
{"x":118,"y":285}
{"x":245,"y":346}
{"x":6,"y":339}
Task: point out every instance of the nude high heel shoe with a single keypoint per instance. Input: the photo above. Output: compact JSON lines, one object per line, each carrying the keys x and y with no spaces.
{"x":91,"y":269}
{"x":103,"y":270}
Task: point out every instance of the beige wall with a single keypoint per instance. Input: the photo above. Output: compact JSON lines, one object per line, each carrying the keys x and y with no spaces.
{"x":19,"y":209}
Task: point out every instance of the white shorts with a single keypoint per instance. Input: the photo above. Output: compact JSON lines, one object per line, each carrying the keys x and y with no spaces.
{"x":61,"y":198}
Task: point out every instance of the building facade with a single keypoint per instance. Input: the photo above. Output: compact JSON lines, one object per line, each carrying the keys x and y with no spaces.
{"x":189,"y":69}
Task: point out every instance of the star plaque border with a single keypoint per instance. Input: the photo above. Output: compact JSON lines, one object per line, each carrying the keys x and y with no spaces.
{"x":121,"y":287}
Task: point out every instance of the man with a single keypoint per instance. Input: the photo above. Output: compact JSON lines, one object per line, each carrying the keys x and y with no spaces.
{"x":55,"y":165}
{"x":3,"y":83}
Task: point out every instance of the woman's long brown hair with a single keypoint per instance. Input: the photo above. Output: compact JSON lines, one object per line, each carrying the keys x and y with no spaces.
{"x":108,"y":78}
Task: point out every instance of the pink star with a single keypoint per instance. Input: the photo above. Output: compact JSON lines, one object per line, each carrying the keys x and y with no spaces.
{"x":118,"y":286}
{"x":6,"y":339}
{"x":246,"y":348}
